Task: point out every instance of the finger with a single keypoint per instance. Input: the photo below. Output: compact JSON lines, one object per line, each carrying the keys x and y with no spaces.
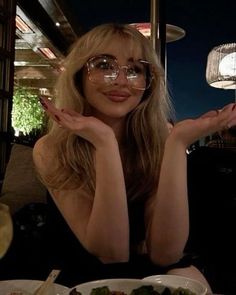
{"x":71,"y":112}
{"x":51,"y":110}
{"x":212,"y":113}
{"x":47,"y":104}
{"x":65,"y":118}
{"x":227,"y":114}
{"x":232,"y":123}
{"x":228,"y":107}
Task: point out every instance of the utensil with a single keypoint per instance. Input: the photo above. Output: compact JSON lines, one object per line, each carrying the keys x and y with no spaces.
{"x":47,"y":283}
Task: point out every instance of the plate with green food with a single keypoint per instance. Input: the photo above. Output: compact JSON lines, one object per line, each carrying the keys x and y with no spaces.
{"x":179,"y":285}
{"x":131,"y":287}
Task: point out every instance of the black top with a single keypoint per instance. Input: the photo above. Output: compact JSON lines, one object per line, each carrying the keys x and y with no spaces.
{"x":78,"y":265}
{"x":43,"y":241}
{"x":67,"y":253}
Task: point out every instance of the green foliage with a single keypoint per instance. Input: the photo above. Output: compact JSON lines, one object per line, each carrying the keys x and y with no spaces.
{"x":27,"y":113}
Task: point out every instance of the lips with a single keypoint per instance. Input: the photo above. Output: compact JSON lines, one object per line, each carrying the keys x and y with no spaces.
{"x":117,"y":96}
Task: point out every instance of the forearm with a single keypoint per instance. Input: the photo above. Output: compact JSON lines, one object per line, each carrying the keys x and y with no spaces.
{"x":108,"y":227}
{"x":170,"y":223}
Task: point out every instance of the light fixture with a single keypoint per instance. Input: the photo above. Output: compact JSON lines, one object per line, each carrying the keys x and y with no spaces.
{"x":47,"y":52}
{"x":173,"y":33}
{"x":20,"y":63}
{"x":221,"y":66}
{"x":22,"y":26}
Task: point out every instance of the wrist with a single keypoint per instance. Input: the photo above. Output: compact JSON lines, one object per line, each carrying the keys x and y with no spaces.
{"x":108,"y":141}
{"x":174,"y":142}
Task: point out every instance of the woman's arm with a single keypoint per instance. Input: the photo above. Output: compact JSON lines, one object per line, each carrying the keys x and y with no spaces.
{"x":108,"y":225}
{"x":169,"y":225}
{"x":100,"y":222}
{"x":167,"y":212}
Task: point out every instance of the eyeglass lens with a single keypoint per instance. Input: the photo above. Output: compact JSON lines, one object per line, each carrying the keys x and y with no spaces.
{"x":105,"y":69}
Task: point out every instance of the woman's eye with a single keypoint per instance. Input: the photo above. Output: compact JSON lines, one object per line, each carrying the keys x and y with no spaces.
{"x":132,"y":72}
{"x":136,"y":70}
{"x":104,"y":66}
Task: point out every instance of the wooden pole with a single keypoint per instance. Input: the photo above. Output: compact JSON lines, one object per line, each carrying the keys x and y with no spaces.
{"x":158,"y":28}
{"x":154,"y":23}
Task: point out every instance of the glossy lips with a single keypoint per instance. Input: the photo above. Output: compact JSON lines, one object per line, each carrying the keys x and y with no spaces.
{"x":117,"y":96}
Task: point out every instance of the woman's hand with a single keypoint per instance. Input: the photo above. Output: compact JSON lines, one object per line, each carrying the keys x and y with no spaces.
{"x":190,"y":130}
{"x":90,"y":128}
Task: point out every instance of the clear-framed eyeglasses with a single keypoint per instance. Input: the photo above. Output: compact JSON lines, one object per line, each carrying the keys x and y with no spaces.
{"x":104,"y":69}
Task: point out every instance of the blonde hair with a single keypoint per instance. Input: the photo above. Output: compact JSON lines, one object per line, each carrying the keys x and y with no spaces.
{"x":146,"y":129}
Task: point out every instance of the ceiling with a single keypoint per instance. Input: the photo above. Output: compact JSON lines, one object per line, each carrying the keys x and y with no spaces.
{"x":207,"y":24}
{"x":32,"y":68}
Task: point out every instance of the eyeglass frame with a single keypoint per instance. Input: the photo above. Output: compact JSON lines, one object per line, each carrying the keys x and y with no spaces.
{"x":150,"y":73}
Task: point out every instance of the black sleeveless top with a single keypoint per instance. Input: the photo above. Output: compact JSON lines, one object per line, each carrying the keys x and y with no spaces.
{"x":64,"y":251}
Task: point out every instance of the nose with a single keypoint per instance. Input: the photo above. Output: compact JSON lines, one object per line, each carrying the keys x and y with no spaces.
{"x":121,"y":78}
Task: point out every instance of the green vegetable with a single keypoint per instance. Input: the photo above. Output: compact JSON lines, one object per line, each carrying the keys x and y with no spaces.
{"x":100,"y":291}
{"x":166,"y":291}
{"x":145,"y":290}
{"x":182,"y":291}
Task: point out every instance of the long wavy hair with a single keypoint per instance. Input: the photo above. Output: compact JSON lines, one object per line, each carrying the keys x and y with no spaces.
{"x":145,"y":133}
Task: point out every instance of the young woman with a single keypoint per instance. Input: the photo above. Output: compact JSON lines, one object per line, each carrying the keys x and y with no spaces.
{"x":118,"y":202}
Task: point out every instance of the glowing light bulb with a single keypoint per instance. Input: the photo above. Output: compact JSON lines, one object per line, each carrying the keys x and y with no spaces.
{"x":227,"y":66}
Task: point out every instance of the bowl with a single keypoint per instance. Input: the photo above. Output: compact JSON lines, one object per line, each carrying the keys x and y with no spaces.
{"x":128,"y":285}
{"x":28,"y":287}
{"x":121,"y":285}
{"x":175,"y":281}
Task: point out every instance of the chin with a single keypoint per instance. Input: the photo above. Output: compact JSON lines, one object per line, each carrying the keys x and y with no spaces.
{"x":115,"y":112}
{"x":117,"y":115}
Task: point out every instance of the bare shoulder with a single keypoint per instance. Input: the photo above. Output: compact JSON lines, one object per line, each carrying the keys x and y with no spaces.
{"x":43,"y":153}
{"x":41,"y":147}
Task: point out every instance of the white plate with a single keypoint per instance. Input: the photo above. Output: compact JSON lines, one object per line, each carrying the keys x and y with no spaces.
{"x":6,"y":287}
{"x":127,"y":285}
{"x":174,"y":281}
{"x":122,"y":285}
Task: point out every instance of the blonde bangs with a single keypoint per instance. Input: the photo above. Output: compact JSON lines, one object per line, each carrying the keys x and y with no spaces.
{"x":99,"y":42}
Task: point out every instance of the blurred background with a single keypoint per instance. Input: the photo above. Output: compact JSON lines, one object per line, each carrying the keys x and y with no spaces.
{"x":206,"y":24}
{"x":36,"y":35}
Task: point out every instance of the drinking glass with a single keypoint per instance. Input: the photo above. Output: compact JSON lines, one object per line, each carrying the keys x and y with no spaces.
{"x":6,"y":229}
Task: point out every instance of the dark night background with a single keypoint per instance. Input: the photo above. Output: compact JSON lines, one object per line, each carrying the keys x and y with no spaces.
{"x":207,"y":24}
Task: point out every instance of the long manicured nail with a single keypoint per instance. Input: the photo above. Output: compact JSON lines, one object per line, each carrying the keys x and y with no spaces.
{"x":233,"y":106}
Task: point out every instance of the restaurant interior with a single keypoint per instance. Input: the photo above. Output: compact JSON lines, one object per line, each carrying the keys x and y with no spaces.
{"x":35,"y":37}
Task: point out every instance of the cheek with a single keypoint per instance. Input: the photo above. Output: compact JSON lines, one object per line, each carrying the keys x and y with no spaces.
{"x":88,"y":87}
{"x":139,"y":96}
